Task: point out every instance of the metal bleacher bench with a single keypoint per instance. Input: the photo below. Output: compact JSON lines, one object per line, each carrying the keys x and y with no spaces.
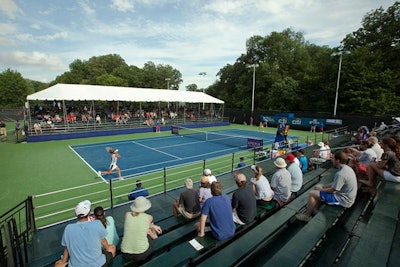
{"x":295,"y":251}
{"x":377,"y":243}
{"x":237,"y":251}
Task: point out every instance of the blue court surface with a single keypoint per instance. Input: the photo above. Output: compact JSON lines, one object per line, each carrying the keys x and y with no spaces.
{"x":140,"y":156}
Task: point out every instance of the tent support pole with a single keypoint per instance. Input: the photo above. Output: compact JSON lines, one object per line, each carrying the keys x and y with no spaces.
{"x":66,"y":125}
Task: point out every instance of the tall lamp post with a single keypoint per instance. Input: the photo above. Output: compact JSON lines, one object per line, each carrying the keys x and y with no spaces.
{"x":203,"y":74}
{"x":254,"y":85}
{"x":168,"y":79}
{"x":340,"y":54}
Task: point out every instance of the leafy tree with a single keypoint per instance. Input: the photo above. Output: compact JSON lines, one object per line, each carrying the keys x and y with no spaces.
{"x":111,"y":80}
{"x":13,"y":89}
{"x":192,"y":87}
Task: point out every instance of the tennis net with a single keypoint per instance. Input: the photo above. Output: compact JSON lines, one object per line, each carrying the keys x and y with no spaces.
{"x":228,"y":140}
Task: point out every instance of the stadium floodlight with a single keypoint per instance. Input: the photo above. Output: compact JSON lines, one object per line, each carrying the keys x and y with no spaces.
{"x":340,"y":54}
{"x":168,"y":79}
{"x":203,"y":74}
{"x":254,"y":66}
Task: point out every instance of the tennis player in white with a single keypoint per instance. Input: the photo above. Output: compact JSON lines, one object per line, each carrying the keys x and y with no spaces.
{"x":113,"y":165}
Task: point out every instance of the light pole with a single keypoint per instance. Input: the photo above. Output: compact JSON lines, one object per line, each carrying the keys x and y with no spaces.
{"x":340,"y":54}
{"x":203,"y":74}
{"x":254,"y":85}
{"x":168,"y":79}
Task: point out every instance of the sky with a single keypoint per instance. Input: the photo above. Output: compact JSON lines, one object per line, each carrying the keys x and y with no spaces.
{"x":40,"y":38}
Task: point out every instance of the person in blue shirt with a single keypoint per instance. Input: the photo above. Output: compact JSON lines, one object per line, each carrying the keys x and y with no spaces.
{"x":219,"y":211}
{"x":303,"y":160}
{"x":138,"y":191}
{"x":241,"y":163}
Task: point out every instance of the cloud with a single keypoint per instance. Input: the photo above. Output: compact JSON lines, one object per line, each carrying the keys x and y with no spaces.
{"x":87,"y":8}
{"x":123,"y":5}
{"x":37,"y":59}
{"x":9,"y":8}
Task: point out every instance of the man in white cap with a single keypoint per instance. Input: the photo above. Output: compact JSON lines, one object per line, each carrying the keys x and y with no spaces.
{"x":280,"y":182}
{"x":211,"y":178}
{"x":83,"y":241}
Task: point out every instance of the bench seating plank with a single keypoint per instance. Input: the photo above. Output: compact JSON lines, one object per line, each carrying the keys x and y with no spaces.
{"x":236,"y":250}
{"x":296,"y":249}
{"x":374,"y":247}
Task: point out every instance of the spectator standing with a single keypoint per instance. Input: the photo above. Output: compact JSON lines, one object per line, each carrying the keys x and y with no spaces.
{"x":261,"y":187}
{"x":342,"y":192}
{"x":204,"y":190}
{"x":302,"y":160}
{"x":244,"y":205}
{"x":219,"y":209}
{"x":138,"y":191}
{"x":83,"y":241}
{"x":139,"y":231}
{"x":295,"y":173}
{"x":188,"y":204}
{"x":158,"y":126}
{"x":17,"y":128}
{"x":211,"y":178}
{"x":280,"y":182}
{"x":108,"y":223}
{"x":313,"y":126}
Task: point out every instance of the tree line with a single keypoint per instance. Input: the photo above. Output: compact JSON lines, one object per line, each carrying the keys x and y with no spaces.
{"x":291,"y":74}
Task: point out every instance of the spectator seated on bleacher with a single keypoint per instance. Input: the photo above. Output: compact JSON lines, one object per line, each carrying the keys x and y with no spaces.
{"x":261,"y":187}
{"x":244,"y":205}
{"x":388,"y":167}
{"x":81,"y":241}
{"x":360,"y":158}
{"x":188,"y":204}
{"x":341,"y":192}
{"x":281,"y":182}
{"x":98,"y":120}
{"x":139,"y":231}
{"x":219,"y":210}
{"x":319,"y":156}
{"x":37,"y":128}
{"x":204,"y":190}
{"x":138,"y":191}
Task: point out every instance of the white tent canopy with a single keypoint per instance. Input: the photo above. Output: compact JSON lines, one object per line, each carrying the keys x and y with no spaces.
{"x":84,"y":92}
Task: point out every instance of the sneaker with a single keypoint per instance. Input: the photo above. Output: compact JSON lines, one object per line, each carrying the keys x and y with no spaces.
{"x":99,"y":173}
{"x":121,"y":178}
{"x":303,"y":217}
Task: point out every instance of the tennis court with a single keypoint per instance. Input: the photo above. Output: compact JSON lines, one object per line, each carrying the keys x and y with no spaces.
{"x":147,"y":155}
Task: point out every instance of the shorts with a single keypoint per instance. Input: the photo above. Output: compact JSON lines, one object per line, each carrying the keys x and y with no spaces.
{"x":186,"y":214}
{"x":390,"y":177}
{"x":113,"y":166}
{"x":329,"y":198}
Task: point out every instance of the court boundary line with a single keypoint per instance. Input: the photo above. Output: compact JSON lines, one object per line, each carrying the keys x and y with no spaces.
{"x":90,"y":166}
{"x":154,"y":149}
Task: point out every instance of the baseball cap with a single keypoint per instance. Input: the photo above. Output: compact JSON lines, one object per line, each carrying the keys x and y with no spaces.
{"x":207,"y":172}
{"x":189,"y":183}
{"x":83,"y":208}
{"x":290,"y":157}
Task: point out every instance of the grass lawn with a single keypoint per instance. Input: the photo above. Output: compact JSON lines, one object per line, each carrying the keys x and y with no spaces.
{"x":30,"y":169}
